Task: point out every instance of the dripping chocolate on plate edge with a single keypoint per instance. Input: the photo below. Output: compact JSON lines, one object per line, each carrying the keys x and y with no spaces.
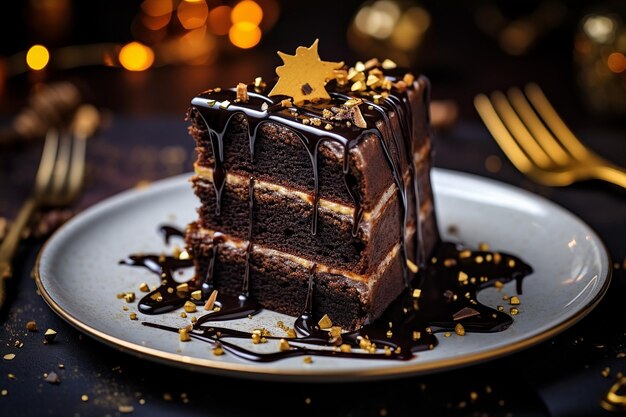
{"x":441,"y":279}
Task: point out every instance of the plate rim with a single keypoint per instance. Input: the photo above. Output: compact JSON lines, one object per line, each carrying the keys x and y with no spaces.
{"x":250,"y":371}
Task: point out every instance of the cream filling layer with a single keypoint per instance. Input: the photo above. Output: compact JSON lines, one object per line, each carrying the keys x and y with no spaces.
{"x":235,"y":179}
{"x":242,"y":245}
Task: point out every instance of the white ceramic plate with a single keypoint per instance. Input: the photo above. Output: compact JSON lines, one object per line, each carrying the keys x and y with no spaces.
{"x":79,"y":277}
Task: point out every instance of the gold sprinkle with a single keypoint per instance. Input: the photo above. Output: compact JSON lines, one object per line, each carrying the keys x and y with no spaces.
{"x":170,"y":290}
{"x":357,"y":117}
{"x":49,"y":335}
{"x":449,"y":262}
{"x":497,"y":258}
{"x":218,"y":350}
{"x":606,"y":372}
{"x":335,"y":331}
{"x":463,"y":276}
{"x":125,"y":308}
{"x":308,"y":359}
{"x":465,"y":254}
{"x":196,"y":295}
{"x":183,"y":335}
{"x":264,"y":106}
{"x":473,"y":396}
{"x":447,"y":334}
{"x":345,"y":348}
{"x":328,"y":126}
{"x":412,"y":267}
{"x":194,"y":319}
{"x":190,"y":307}
{"x":286,"y":103}
{"x":359,"y":66}
{"x":387,"y":351}
{"x":479,"y":259}
{"x":389,"y":334}
{"x":133,"y":316}
{"x":242,"y":92}
{"x":143,"y":287}
{"x":514,"y":311}
{"x":183,"y":315}
{"x":11,"y":376}
{"x":511,"y":263}
{"x":500,"y":308}
{"x":459,"y":329}
{"x":125,"y":409}
{"x":325,"y":322}
{"x":417,"y":292}
{"x":9,"y":356}
{"x":291,"y":333}
{"x":31,"y":326}
{"x":129,"y":297}
{"x":258,"y":82}
{"x":283,"y":345}
{"x":408,"y":78}
{"x":514,"y":301}
{"x":498,"y":284}
{"x":388,"y":64}
{"x":357,"y":86}
{"x":4,"y":392}
{"x":210,"y":303}
{"x":224,"y":104}
{"x":182,"y":287}
{"x":84,"y":398}
{"x":417,"y":335}
{"x":483,"y":246}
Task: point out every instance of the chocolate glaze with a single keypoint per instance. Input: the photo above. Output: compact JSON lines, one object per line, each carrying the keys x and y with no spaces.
{"x":217,"y":108}
{"x":407,"y":326}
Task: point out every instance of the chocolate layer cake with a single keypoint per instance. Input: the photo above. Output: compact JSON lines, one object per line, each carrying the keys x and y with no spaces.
{"x":334,"y":189}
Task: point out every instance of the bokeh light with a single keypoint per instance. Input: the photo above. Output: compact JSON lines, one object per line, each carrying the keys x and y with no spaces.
{"x":37,"y":57}
{"x":617,"y":62}
{"x":136,"y":57}
{"x":192,"y":14}
{"x":247,"y":11}
{"x":244,"y":35}
{"x":219,"y":20}
{"x":157,"y":7}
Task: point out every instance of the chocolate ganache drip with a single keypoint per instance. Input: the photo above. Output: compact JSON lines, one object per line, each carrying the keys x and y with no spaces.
{"x":218,"y":107}
{"x":441,"y":298}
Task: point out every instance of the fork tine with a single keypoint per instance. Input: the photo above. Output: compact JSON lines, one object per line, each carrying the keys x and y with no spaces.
{"x":500,"y":133}
{"x":519,"y":132}
{"x":555,"y":123}
{"x":77,"y":166}
{"x":62,"y":165}
{"x":46,"y":164}
{"x":542,"y":135}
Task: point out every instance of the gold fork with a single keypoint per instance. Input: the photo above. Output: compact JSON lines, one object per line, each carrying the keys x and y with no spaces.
{"x":538,"y":142}
{"x":58,"y":181}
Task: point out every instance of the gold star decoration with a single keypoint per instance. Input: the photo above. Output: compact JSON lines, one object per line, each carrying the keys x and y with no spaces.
{"x":304,"y":75}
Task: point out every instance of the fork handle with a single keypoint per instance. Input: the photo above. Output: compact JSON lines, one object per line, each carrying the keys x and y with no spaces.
{"x":613,"y":174}
{"x":12,"y":239}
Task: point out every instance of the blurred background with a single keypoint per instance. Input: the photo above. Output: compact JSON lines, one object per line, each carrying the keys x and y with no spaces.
{"x":141,"y":61}
{"x":152,"y":56}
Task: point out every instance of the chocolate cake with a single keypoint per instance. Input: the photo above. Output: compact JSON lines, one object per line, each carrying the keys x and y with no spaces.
{"x":318,"y":175}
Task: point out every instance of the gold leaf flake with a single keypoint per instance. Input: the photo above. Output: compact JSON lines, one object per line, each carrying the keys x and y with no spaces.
{"x":325,"y":322}
{"x":305,"y":68}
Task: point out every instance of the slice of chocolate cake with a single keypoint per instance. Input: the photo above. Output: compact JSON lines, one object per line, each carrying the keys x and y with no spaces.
{"x":323,"y":174}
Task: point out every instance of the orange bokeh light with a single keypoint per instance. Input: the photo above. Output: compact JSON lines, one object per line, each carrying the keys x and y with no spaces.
{"x":192,"y":14}
{"x":37,"y":57}
{"x":157,"y":7}
{"x":247,"y":11}
{"x":617,"y":62}
{"x":244,"y":35}
{"x":219,"y":20}
{"x":136,"y":57}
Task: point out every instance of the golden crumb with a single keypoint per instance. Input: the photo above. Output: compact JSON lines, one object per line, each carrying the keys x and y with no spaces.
{"x":242,"y":92}
{"x":84,"y":398}
{"x":31,"y":326}
{"x":388,"y":64}
{"x":459,"y":329}
{"x":196,"y":295}
{"x":184,"y":335}
{"x":345,"y":348}
{"x":190,"y":307}
{"x":225,"y":104}
{"x":283,"y":345}
{"x":129,"y":297}
{"x":325,"y":322}
{"x":514,"y":301}
{"x":133,"y":316}
{"x":514,"y":311}
{"x":218,"y":350}
{"x":184,"y":287}
{"x":143,"y":287}
{"x":308,"y":359}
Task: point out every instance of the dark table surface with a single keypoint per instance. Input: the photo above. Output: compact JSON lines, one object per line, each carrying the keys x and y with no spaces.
{"x":144,"y":138}
{"x":560,"y":377}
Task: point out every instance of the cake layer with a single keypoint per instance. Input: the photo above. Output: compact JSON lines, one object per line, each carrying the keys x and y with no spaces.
{"x":282,"y":221}
{"x":279,"y":281}
{"x":281,"y":156}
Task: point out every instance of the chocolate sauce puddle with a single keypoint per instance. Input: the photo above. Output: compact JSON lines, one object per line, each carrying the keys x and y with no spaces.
{"x":442,"y":296}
